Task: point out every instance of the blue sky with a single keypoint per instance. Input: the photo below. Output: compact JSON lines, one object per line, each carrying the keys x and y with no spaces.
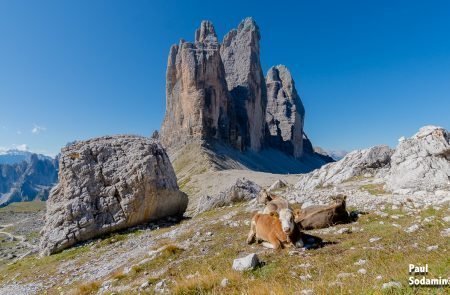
{"x":368,"y":72}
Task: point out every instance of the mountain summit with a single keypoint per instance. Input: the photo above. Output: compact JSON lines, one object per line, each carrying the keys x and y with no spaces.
{"x":217,"y":94}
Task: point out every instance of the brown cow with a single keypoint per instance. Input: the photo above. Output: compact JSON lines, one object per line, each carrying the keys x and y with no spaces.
{"x":273,"y":231}
{"x":322,"y":216}
{"x":274,"y":203}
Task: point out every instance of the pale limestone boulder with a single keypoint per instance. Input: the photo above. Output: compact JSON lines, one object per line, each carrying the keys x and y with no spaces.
{"x":356,"y":163}
{"x":106,"y":184}
{"x":421,"y":164}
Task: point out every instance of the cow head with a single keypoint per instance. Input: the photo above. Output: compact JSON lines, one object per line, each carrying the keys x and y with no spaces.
{"x":287,"y":221}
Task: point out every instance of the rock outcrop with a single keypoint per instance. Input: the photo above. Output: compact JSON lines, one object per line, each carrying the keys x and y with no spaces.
{"x":356,"y":163}
{"x":242,"y":190}
{"x":245,"y":81}
{"x":29,"y":179}
{"x":217,"y":93}
{"x":107,"y":184}
{"x":285,"y":112}
{"x":197,"y":97}
{"x":421,"y":163}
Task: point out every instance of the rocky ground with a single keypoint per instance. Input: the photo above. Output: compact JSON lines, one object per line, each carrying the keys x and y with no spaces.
{"x":195,"y":255}
{"x":20,"y":224}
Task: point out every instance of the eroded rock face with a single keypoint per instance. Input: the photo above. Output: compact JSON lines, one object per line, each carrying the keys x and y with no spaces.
{"x":285,"y":112}
{"x":245,"y":81}
{"x":196,"y":92}
{"x":356,"y":163}
{"x":421,"y":163}
{"x":107,"y":184}
{"x":242,"y":190}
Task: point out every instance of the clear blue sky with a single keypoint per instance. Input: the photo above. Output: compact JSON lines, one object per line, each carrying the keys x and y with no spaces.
{"x":368,"y":72}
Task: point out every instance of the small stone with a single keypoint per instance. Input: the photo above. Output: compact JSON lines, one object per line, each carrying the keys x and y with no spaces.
{"x":160,"y":287}
{"x":360,"y":262}
{"x":446,"y":219}
{"x":381,"y":222}
{"x":362,"y":271}
{"x":394,"y":217}
{"x":379,"y":277}
{"x":344,"y":230}
{"x":209,"y":234}
{"x":396,"y":225}
{"x":432,"y":248}
{"x":375,"y":239}
{"x":245,"y":263}
{"x":145,"y":285}
{"x":412,"y":228}
{"x":306,"y":292}
{"x":391,"y":284}
{"x":305,"y":277}
{"x":445,"y":233}
{"x":224,"y":282}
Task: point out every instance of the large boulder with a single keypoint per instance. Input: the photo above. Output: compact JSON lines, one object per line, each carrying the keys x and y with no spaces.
{"x":421,"y":163}
{"x":106,"y":184}
{"x":285,"y":112}
{"x":356,"y":163}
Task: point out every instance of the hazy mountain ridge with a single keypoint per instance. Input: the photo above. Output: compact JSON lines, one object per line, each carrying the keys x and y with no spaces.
{"x":26,"y":176}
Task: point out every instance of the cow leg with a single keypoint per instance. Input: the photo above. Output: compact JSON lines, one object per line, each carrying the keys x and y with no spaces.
{"x":276,"y":244}
{"x":252,"y":234}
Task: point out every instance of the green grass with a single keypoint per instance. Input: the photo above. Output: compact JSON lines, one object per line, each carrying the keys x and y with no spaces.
{"x":374,"y":189}
{"x":23,"y":207}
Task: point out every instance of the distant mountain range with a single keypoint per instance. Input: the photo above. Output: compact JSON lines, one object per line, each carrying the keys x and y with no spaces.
{"x":26,"y":176}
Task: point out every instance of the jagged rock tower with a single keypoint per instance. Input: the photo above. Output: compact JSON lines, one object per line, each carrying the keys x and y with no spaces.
{"x":196,"y":91}
{"x":285,"y":113}
{"x":245,"y":80}
{"x":217,"y":92}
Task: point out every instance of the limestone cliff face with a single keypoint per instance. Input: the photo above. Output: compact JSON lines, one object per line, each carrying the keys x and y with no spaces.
{"x":196,"y":91}
{"x":217,"y":92}
{"x":284,"y":113}
{"x":245,"y":81}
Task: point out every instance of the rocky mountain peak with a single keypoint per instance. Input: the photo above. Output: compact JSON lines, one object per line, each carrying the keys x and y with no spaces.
{"x":218,"y":92}
{"x":206,"y":33}
{"x":285,"y":112}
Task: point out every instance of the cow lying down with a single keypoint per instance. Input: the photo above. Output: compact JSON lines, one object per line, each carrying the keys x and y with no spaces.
{"x":322,"y":216}
{"x":275,"y":230}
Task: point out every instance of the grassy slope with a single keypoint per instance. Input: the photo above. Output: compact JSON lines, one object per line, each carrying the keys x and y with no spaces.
{"x":210,"y":260}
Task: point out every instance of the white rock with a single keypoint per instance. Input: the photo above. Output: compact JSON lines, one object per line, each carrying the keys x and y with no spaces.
{"x":432,"y":248}
{"x":305,"y":277}
{"x":379,"y":277}
{"x":412,"y":228}
{"x":245,"y":263}
{"x":362,"y":271}
{"x":396,"y":225}
{"x":160,"y":287}
{"x":145,"y":285}
{"x":360,"y":262}
{"x":307,"y":292}
{"x":375,"y":239}
{"x":391,"y":284}
{"x":446,"y":219}
{"x":344,"y":230}
{"x":224,"y":282}
{"x":445,"y":233}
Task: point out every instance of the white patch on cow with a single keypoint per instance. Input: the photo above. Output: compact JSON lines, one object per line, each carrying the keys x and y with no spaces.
{"x":287,"y":220}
